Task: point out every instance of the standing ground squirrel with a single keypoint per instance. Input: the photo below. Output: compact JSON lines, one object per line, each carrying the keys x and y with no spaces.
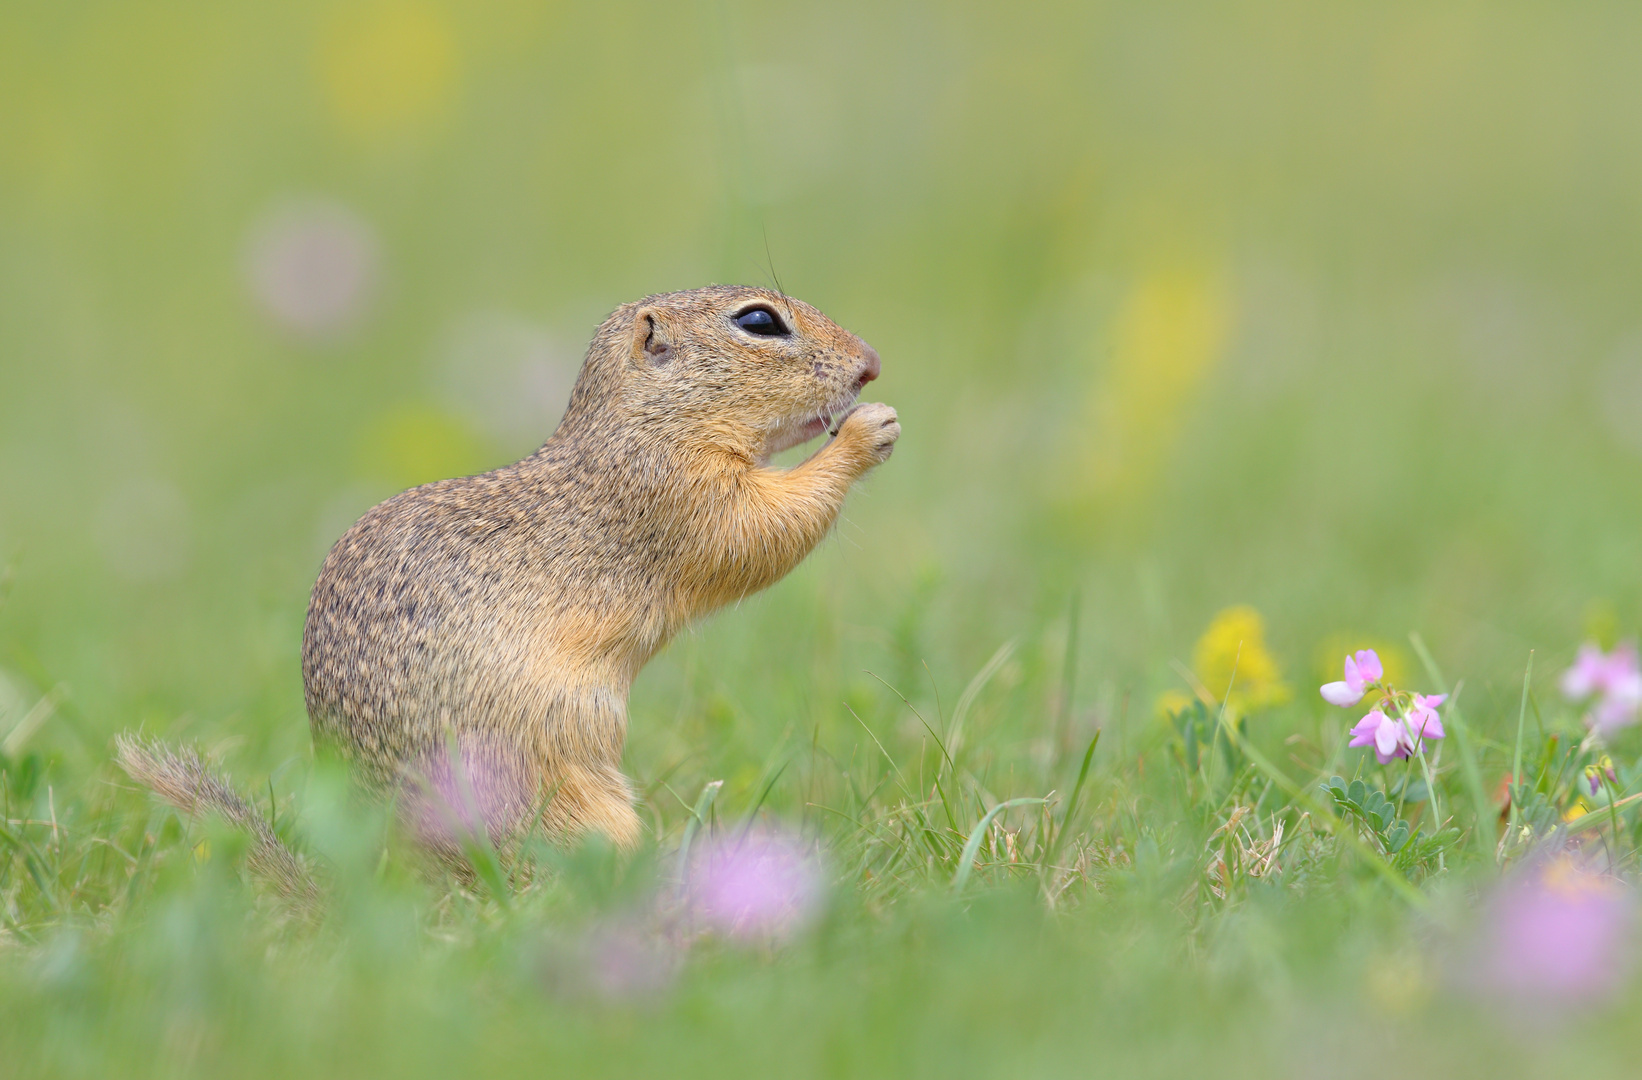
{"x":497,"y":621}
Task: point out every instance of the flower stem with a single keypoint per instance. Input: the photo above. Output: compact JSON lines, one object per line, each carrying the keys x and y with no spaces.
{"x":1613,"y":820}
{"x":1402,"y":793}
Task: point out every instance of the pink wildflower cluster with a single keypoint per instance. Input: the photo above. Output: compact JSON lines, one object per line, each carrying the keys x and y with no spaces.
{"x":1558,"y":931}
{"x":1611,"y":684}
{"x":759,"y":886}
{"x":1398,"y":721}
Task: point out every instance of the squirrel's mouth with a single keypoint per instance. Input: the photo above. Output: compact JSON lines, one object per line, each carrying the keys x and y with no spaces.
{"x":801,"y":429}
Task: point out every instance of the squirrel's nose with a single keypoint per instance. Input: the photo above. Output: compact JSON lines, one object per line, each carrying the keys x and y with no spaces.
{"x":874,"y":365}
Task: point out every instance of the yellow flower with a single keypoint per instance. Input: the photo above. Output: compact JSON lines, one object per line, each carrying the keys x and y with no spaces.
{"x":1232,"y":655}
{"x":389,"y":68}
{"x":1167,"y":338}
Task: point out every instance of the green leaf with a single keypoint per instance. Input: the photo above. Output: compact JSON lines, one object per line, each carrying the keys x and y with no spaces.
{"x":966,"y":861}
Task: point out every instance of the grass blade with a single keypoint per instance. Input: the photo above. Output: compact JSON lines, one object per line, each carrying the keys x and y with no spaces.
{"x":35,"y":864}
{"x":1462,"y":737}
{"x":1342,"y":830}
{"x":967,"y":699}
{"x":1072,"y":804}
{"x":967,"y":860}
{"x":698,"y":818}
{"x":1516,"y":759}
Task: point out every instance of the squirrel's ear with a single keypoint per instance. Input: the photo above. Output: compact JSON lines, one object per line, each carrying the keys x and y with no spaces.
{"x":650,"y":338}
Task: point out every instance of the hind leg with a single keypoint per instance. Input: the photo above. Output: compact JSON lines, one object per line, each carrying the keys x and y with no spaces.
{"x":591,"y":799}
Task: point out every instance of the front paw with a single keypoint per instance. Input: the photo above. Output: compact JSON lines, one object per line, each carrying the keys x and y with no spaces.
{"x":873,"y":428}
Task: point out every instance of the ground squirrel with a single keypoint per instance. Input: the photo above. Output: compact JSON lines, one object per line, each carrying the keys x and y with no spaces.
{"x":497,"y":621}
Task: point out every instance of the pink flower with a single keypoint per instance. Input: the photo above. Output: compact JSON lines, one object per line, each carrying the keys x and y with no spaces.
{"x":1423,"y":720}
{"x":312,"y":268}
{"x":1613,"y":679}
{"x":624,"y":963}
{"x":1594,"y":671}
{"x":763,"y":885}
{"x":1395,"y":737}
{"x":1388,"y":737}
{"x":485,"y":788}
{"x":618,"y":961}
{"x":1617,"y":708}
{"x":1362,"y":671}
{"x":1595,"y":773}
{"x":1558,"y":932}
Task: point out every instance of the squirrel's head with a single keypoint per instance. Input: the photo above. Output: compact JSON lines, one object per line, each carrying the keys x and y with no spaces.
{"x":741,"y":368}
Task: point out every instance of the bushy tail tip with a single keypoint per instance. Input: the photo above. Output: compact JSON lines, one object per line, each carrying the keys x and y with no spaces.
{"x":181,"y":776}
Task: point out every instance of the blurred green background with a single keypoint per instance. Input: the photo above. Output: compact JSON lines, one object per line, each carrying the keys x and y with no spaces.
{"x":1327,"y":309}
{"x":1331,"y":311}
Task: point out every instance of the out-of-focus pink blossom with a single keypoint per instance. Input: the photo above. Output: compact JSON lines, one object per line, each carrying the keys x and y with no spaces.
{"x":620,"y":961}
{"x":1559,"y":932}
{"x":1611,"y":682}
{"x":1619,"y":708}
{"x":312,"y":268}
{"x":763,"y":885}
{"x":485,"y":788}
{"x":625,"y":962}
{"x":1362,"y":670}
{"x":1594,"y":671}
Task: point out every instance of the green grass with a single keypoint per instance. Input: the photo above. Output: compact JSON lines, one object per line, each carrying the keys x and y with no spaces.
{"x":1325,"y":311}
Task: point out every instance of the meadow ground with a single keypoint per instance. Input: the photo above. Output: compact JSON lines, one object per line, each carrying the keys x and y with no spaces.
{"x":1227,"y":340}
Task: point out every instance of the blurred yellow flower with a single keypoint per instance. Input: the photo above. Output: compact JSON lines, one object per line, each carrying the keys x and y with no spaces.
{"x":1232,"y":655}
{"x":1167,"y":337}
{"x":1172,"y":701}
{"x":389,"y":68}
{"x":1234,"y":646}
{"x":413,"y":444}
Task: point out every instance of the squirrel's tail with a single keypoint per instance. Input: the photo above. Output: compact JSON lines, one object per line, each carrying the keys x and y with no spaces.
{"x":182,"y":778}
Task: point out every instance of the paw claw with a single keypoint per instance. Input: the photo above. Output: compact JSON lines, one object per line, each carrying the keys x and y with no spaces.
{"x":876,"y":426}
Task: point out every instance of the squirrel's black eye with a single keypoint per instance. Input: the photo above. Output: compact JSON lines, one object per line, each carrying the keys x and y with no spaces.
{"x":761,"y":321}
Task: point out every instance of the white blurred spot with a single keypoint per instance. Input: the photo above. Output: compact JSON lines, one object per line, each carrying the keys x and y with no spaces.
{"x":1619,"y":394}
{"x":312,"y":267}
{"x":143,"y":529}
{"x":508,"y":376}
